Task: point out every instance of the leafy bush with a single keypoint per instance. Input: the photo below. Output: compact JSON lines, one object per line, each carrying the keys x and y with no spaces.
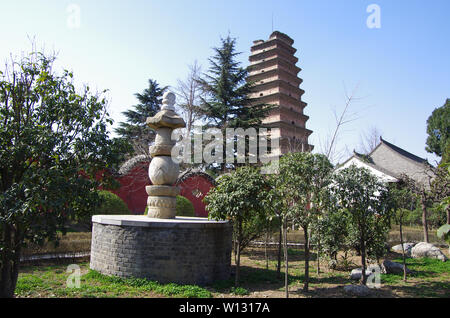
{"x":239,"y":196}
{"x":110,"y":204}
{"x":330,"y":234}
{"x":436,"y":216}
{"x":239,"y":291}
{"x":184,"y":207}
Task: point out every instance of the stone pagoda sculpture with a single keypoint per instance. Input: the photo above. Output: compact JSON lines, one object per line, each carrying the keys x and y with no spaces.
{"x":162,"y":247}
{"x":163,"y":171}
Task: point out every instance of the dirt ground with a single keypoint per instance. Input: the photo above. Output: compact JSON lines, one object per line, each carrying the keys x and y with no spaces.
{"x":265,"y":283}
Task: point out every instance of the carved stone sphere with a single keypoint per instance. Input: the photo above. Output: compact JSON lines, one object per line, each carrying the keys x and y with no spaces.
{"x":163,"y":171}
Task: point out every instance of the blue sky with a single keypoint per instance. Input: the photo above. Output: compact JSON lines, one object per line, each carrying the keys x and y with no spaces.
{"x":401,"y":69}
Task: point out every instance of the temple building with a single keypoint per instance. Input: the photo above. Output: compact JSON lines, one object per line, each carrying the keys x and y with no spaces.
{"x":274,"y":74}
{"x":388,"y":162}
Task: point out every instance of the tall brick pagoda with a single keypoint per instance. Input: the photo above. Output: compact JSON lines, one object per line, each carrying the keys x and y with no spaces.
{"x":274,"y":74}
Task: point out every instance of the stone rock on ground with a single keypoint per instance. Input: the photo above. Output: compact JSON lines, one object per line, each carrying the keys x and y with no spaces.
{"x":357,"y":290}
{"x":357,"y":273}
{"x":424,"y":249}
{"x":388,"y":267}
{"x":407,"y":246}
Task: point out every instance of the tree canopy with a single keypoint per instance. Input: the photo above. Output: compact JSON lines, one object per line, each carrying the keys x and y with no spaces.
{"x":301,"y":187}
{"x":438,"y":129}
{"x":134,"y":130}
{"x":53,"y":144}
{"x":239,"y":196}
{"x":364,"y":200}
{"x":226,"y":103}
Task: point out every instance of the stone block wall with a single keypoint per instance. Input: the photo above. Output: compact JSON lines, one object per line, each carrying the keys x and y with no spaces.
{"x":187,"y":254}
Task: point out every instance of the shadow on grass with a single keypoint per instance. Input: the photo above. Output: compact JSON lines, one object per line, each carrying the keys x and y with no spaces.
{"x":294,"y":254}
{"x":261,"y":279}
{"x":59,"y":263}
{"x":435,"y":289}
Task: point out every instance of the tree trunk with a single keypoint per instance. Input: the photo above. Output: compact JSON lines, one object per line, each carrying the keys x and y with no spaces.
{"x":306,"y":285}
{"x":238,"y":251}
{"x":286,"y":260}
{"x":265,"y":248}
{"x":448,"y":214}
{"x":363,"y":260}
{"x":235,"y":247}
{"x":318,"y":255}
{"x":424,"y":219}
{"x":8,"y":279}
{"x":280,"y":239}
{"x":9,"y":268}
{"x":403,"y":252}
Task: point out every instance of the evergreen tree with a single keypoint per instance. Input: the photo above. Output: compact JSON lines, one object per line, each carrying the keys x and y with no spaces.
{"x":135,"y":130}
{"x":227,"y":103}
{"x":438,"y":129}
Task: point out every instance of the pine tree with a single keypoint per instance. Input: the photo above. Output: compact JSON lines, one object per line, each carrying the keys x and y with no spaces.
{"x":135,"y":130}
{"x":227,"y":103}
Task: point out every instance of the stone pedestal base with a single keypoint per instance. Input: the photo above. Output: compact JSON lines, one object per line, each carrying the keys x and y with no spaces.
{"x":181,"y":250}
{"x":162,"y":201}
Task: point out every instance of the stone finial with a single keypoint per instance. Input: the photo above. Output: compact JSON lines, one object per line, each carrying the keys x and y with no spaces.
{"x":166,"y":117}
{"x":168,"y":101}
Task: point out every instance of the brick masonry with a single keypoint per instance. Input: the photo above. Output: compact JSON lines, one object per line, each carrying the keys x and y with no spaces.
{"x":190,"y":253}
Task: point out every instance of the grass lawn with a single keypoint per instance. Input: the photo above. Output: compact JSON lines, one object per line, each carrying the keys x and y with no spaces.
{"x":431,"y":279}
{"x":51,"y":281}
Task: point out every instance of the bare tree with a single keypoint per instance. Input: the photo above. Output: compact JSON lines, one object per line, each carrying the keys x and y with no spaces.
{"x":369,"y":140}
{"x":189,"y":92}
{"x":329,"y":145}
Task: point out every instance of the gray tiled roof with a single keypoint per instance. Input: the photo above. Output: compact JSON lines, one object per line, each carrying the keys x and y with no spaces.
{"x":395,"y":161}
{"x":404,"y":152}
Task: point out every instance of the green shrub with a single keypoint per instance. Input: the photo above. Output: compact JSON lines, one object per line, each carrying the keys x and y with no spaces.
{"x":111,"y":204}
{"x":239,"y":291}
{"x":184,"y":207}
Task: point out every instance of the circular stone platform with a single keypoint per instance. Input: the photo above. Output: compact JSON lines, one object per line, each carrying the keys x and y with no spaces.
{"x":183,"y":250}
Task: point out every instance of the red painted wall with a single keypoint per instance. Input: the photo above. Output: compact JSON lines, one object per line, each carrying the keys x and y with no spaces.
{"x":132,"y":189}
{"x":195,"y":188}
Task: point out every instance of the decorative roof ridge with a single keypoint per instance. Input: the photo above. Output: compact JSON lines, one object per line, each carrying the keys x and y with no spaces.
{"x":131,"y":163}
{"x":364,"y":157}
{"x":194,"y":172}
